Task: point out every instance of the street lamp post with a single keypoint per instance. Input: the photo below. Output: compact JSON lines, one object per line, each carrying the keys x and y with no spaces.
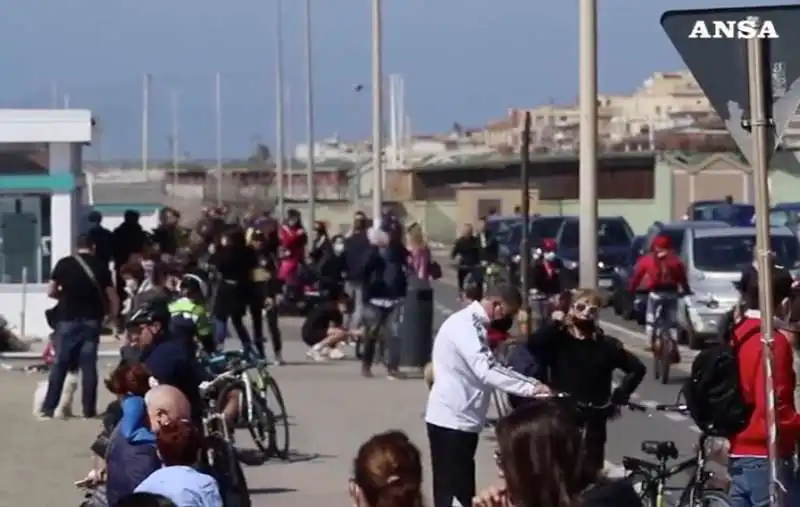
{"x":588,"y":143}
{"x":377,"y":110}
{"x":310,"y":162}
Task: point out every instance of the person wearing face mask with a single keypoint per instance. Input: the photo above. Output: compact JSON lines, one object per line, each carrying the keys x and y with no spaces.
{"x":293,"y":241}
{"x":662,"y":275}
{"x":578,"y":359}
{"x":466,"y":374}
{"x":545,"y":272}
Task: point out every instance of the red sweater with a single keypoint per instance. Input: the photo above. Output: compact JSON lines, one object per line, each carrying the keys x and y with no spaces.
{"x":752,"y":441}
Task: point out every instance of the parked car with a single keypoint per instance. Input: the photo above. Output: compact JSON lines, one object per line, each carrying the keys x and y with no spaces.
{"x":614,"y":238}
{"x":627,"y":305}
{"x":710,"y":210}
{"x":510,"y":244}
{"x":675,"y":231}
{"x":715,"y":259}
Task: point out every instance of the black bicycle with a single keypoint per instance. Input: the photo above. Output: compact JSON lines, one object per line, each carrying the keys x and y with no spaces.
{"x":219,"y":457}
{"x":651,"y":478}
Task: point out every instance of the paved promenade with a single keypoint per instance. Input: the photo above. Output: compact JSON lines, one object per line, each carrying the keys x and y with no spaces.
{"x":332,"y":410}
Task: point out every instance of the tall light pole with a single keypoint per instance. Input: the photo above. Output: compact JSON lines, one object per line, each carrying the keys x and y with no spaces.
{"x":280,"y":124}
{"x":218,"y":134}
{"x":377,"y":110}
{"x":588,"y":143}
{"x":146,"y":85}
{"x":174,"y":143}
{"x":310,"y":162}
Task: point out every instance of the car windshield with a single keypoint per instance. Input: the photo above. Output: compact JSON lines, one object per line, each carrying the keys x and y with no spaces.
{"x":734,"y":253}
{"x":610,"y":233}
{"x":734,"y":214}
{"x":546,"y":227}
{"x":782,"y":217}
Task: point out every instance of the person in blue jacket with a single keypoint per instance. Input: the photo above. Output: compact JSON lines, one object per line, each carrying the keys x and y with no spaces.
{"x":169,"y":360}
{"x":131,"y":456}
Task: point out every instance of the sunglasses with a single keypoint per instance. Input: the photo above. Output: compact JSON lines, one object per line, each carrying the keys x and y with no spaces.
{"x":585,"y":308}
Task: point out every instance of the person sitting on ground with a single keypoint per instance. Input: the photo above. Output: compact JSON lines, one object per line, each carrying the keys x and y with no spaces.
{"x":540,"y":456}
{"x":131,"y":455}
{"x":179,"y":446}
{"x":387,"y":472}
{"x":145,"y":500}
{"x":323,"y":329}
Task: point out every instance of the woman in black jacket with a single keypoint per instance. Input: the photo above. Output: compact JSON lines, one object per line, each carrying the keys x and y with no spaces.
{"x":234,"y":263}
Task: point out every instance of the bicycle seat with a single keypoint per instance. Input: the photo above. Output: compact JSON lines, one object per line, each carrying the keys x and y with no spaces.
{"x":665,"y":449}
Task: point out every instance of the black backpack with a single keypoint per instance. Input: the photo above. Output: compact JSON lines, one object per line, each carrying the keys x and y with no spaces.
{"x":713,"y":390}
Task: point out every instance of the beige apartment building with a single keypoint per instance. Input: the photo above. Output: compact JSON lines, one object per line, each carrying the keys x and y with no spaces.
{"x":665,"y":100}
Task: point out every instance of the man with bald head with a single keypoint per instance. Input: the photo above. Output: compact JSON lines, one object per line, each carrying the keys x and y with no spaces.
{"x":166,"y":403}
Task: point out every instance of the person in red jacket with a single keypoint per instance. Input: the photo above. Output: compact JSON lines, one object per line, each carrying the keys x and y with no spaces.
{"x":749,"y":464}
{"x":662,"y":275}
{"x":293,"y":241}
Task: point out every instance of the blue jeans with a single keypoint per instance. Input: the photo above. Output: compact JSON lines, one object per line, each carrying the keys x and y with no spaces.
{"x":76,"y":343}
{"x":750,"y":487}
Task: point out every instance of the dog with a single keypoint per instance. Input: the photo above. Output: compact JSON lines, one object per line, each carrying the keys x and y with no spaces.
{"x":64,"y":408}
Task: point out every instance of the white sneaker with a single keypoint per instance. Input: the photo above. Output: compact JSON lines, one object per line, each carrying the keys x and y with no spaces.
{"x":315,"y":354}
{"x":335,"y":354}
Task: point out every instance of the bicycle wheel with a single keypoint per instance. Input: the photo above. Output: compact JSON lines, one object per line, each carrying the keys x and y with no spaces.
{"x":279,"y":439}
{"x":709,"y":498}
{"x":261,"y":424}
{"x":225,"y":468}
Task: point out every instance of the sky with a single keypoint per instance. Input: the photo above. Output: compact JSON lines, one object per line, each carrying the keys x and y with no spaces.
{"x":463,"y":61}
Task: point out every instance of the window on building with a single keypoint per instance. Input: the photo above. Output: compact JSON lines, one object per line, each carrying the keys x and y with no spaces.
{"x":25,"y":238}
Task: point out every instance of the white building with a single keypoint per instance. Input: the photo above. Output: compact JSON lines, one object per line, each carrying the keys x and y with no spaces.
{"x":40,"y":213}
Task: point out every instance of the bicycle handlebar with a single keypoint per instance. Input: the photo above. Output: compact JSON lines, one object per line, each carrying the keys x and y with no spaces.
{"x":672,"y":407}
{"x":632,"y":405}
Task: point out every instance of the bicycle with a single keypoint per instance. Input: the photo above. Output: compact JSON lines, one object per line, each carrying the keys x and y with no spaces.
{"x":664,"y":353}
{"x":252,"y":378}
{"x":220,"y":455}
{"x":651,"y":478}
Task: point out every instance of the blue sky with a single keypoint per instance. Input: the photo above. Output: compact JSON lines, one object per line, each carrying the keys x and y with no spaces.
{"x":463,"y":61}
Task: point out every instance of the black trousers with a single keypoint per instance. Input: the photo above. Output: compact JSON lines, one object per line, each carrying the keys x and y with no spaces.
{"x":452,"y":465}
{"x":255,"y":307}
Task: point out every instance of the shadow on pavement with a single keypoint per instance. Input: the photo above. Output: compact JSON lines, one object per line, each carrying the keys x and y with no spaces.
{"x":270,"y":491}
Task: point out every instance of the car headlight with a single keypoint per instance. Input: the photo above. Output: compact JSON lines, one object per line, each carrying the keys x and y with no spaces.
{"x":570,"y":264}
{"x":601,"y":265}
{"x":516,"y":259}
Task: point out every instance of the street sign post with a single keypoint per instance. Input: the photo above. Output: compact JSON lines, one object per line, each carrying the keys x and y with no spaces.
{"x":746,"y":62}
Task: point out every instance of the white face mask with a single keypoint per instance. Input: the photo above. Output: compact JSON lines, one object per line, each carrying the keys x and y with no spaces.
{"x":549,"y":256}
{"x":338,"y":247}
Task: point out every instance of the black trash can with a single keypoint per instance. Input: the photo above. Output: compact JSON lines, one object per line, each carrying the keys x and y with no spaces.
{"x":416,"y":326}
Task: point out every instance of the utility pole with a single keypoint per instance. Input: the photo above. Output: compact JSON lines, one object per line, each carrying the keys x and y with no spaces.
{"x":280,"y":124}
{"x":147,"y":82}
{"x":377,"y":111}
{"x":218,"y":134}
{"x":525,"y":204}
{"x":588,"y":144}
{"x":54,"y":95}
{"x":174,"y":142}
{"x":310,"y":162}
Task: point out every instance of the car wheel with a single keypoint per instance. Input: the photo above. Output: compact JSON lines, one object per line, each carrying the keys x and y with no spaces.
{"x":694,"y":341}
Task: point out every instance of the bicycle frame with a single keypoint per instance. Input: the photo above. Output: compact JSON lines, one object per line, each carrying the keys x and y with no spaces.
{"x":657,"y":480}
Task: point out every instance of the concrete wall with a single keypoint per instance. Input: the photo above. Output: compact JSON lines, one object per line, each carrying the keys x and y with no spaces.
{"x":24,"y":307}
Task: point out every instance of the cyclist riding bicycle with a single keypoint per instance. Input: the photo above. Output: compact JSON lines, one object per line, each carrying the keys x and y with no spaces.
{"x":189,"y":318}
{"x":661,"y":274}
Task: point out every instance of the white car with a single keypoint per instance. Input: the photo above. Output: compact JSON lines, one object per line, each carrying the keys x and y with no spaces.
{"x":714,"y":260}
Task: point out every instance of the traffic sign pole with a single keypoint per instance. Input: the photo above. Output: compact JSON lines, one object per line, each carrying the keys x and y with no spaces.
{"x":760,"y":127}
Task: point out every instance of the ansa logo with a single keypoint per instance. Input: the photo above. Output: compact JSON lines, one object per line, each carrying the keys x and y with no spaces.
{"x":744,"y":29}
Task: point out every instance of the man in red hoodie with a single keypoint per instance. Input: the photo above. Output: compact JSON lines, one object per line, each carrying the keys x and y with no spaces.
{"x":749,"y":463}
{"x":662,"y":275}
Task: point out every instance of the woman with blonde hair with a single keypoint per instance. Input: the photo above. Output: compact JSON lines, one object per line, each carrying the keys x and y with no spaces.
{"x":387,"y":472}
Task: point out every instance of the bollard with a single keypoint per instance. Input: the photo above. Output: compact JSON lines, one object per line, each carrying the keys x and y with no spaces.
{"x":416,"y":327}
{"x":23,"y":307}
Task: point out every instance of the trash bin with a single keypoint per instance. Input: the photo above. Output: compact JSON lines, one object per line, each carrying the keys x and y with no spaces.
{"x":416,"y":325}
